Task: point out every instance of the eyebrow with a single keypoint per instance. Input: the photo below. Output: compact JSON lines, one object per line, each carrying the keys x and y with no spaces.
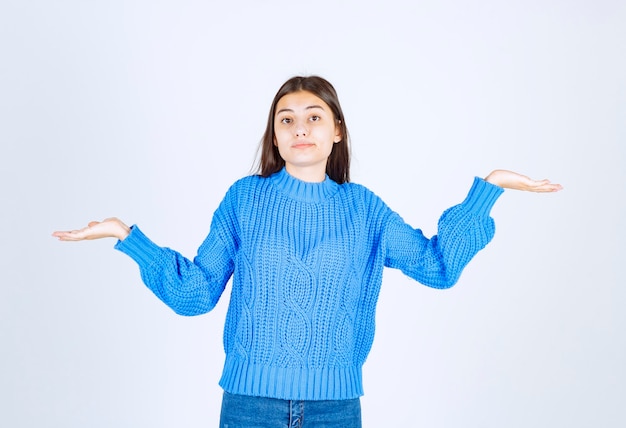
{"x":307,"y":108}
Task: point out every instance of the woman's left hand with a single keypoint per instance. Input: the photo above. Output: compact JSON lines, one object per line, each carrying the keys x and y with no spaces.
{"x":512,"y":180}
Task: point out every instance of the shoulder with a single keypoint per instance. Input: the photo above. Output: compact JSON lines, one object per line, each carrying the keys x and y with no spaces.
{"x":364,"y":199}
{"x":247,"y":181}
{"x":361,"y":192}
{"x":245,"y":185}
{"x":239,"y":192}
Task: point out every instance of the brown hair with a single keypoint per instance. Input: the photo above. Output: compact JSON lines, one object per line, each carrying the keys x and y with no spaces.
{"x":338,"y":165}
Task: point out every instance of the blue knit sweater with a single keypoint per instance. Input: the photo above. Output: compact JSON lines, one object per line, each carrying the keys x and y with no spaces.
{"x":307,"y":262}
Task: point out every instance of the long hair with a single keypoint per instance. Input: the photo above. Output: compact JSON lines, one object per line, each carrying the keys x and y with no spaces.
{"x":338,"y":165}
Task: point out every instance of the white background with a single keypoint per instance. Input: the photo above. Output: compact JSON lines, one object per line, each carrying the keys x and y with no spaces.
{"x":149,"y":110}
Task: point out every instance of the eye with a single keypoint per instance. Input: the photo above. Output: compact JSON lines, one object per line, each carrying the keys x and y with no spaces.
{"x":315,"y":118}
{"x":285,"y":120}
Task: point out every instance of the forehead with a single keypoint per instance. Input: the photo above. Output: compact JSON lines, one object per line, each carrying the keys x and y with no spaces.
{"x":300,"y":100}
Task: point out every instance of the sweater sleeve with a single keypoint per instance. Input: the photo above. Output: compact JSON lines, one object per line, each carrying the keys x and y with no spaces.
{"x":187,"y":287}
{"x":463,"y":230}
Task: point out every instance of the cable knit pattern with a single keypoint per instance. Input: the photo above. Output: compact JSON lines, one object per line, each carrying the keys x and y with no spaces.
{"x":307,"y":262}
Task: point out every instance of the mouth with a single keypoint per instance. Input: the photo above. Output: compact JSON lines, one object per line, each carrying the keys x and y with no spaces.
{"x":302,"y":145}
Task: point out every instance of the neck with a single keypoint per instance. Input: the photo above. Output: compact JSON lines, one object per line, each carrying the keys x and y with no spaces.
{"x":310,"y":174}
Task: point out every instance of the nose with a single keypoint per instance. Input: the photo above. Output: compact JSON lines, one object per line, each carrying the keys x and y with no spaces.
{"x":300,"y":129}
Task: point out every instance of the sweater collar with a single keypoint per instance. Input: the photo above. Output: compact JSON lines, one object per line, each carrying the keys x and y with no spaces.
{"x":303,"y":190}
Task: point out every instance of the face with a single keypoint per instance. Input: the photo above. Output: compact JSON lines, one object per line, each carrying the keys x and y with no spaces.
{"x":304,"y":132}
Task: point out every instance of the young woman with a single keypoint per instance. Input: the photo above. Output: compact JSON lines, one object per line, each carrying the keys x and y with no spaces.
{"x":306,"y":249}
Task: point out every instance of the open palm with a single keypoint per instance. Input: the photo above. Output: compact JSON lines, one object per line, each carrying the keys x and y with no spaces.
{"x":108,"y":228}
{"x":512,"y":180}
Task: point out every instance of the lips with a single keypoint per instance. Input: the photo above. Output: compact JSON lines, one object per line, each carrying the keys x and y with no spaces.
{"x":302,"y":145}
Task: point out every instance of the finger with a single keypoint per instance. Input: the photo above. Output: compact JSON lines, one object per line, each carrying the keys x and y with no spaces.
{"x":550,"y":187}
{"x":539,"y":183}
{"x":66,"y":232}
{"x":71,"y":235}
{"x":68,"y":238}
{"x":62,"y":234}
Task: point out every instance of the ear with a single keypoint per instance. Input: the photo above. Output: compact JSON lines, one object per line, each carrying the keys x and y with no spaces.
{"x":338,"y":136}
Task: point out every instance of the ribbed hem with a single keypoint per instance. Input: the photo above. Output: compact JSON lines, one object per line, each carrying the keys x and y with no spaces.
{"x":482,"y":196}
{"x":292,"y":383}
{"x":304,"y":190}
{"x":138,"y":246}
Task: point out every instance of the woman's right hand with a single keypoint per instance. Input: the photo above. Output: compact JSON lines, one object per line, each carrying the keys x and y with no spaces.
{"x":108,"y":228}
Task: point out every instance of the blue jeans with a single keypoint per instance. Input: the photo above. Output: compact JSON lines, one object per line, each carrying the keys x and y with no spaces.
{"x":242,"y":411}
